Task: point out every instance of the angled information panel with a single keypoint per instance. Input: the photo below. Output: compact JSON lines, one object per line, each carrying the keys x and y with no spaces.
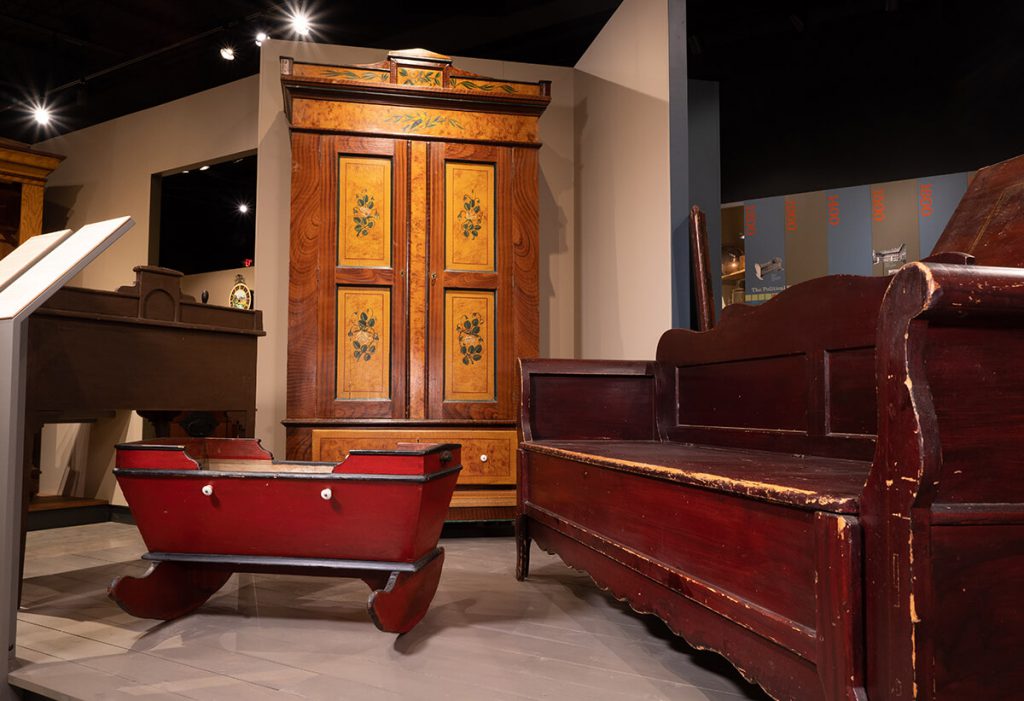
{"x":29,"y":276}
{"x":50,"y":272}
{"x":24,"y":256}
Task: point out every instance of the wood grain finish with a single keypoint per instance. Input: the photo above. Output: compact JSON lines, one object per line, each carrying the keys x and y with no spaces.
{"x":897,"y":577}
{"x":620,"y":400}
{"x":525,"y":257}
{"x":31,"y":212}
{"x":411,"y":122}
{"x":24,"y":171}
{"x":308,"y":228}
{"x":319,"y":321}
{"x":469,"y":235}
{"x":364,"y":343}
{"x":448,"y":375}
{"x":767,"y":383}
{"x":469,"y":346}
{"x":989,"y":221}
{"x":364,"y":216}
{"x":446,"y":163}
{"x":703,"y":294}
{"x":418,"y":281}
{"x":920,"y":511}
{"x":742,"y":523}
{"x":487,"y":456}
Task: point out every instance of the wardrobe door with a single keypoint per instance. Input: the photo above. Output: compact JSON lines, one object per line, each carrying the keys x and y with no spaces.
{"x":470,"y":337}
{"x":349,"y":252}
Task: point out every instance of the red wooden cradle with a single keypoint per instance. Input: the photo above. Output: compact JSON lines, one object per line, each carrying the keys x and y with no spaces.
{"x":209,"y":507}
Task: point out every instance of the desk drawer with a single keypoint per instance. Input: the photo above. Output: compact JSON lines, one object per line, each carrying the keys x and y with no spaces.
{"x":488,"y":457}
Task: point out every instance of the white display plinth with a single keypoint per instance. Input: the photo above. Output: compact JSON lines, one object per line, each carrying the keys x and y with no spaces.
{"x":29,"y":275}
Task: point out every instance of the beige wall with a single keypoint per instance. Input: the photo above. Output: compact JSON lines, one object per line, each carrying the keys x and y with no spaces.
{"x":604,"y":273}
{"x":107,"y":173}
{"x":623,"y":224}
{"x":109,"y":166}
{"x":272,"y":212}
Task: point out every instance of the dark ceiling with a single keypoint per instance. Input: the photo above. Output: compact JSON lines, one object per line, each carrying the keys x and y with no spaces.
{"x":814,"y":94}
{"x":99,"y":59}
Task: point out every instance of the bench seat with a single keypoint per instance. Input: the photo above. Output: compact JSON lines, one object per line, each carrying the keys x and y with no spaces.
{"x":804,"y":481}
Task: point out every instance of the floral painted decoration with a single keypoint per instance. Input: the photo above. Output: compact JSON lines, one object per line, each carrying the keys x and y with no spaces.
{"x":483,"y":87}
{"x":417,"y":77}
{"x":412,"y":122}
{"x":470,"y":216}
{"x":363,"y":77}
{"x":471,"y":343}
{"x":363,"y":335}
{"x":365,"y":214}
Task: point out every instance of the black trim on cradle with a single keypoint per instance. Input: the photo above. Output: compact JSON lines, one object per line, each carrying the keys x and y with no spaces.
{"x":241,"y":562}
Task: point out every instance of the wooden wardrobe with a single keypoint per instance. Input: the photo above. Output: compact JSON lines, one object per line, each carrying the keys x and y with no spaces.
{"x":413,"y":276}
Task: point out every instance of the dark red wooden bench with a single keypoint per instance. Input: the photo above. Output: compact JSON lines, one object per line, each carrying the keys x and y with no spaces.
{"x":828,"y":489}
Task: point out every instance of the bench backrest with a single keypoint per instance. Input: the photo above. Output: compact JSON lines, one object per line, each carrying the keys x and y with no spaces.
{"x":989,"y":221}
{"x":796,"y":374}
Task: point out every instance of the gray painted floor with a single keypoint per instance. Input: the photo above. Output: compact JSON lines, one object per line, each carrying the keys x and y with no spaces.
{"x":486,"y":636}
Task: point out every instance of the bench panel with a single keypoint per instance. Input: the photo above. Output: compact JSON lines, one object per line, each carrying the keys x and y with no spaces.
{"x":749,"y":393}
{"x":580,"y":406}
{"x":976,"y":379}
{"x":851,"y":391}
{"x":782,"y":673}
{"x":758,"y":552}
{"x":978,"y":578}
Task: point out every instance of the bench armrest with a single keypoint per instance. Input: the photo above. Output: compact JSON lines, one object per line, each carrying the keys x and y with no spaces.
{"x":944,"y":501}
{"x":587,"y":399}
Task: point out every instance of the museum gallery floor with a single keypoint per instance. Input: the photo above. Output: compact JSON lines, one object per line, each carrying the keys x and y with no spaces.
{"x":486,"y":636}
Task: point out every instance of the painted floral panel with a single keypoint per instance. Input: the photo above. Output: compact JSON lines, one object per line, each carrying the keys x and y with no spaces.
{"x":470,"y":358}
{"x":364,"y":343}
{"x":469,"y":216}
{"x":364,"y":212}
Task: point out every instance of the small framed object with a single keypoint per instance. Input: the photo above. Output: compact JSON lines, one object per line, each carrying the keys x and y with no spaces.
{"x":240,"y":296}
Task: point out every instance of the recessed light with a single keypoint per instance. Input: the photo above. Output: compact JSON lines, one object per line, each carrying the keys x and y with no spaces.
{"x":227,"y":53}
{"x":300,"y":23}
{"x":243,"y":208}
{"x":41,"y":114}
{"x":204,"y":167}
{"x":184,"y":171}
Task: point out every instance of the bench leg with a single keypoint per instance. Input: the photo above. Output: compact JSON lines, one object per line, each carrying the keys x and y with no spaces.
{"x":522,"y":548}
{"x":168,"y":590}
{"x":399,"y":600}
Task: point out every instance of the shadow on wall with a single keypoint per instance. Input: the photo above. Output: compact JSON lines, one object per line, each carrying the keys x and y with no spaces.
{"x":554,"y":241}
{"x":622,"y":235}
{"x":57,"y":205}
{"x":579,"y":115}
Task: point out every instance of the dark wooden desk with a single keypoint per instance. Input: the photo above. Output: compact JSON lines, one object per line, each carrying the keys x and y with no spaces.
{"x":145,"y":347}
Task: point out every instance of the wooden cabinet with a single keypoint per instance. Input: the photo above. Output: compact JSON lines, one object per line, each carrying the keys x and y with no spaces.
{"x":23,"y":174}
{"x":413,"y":274}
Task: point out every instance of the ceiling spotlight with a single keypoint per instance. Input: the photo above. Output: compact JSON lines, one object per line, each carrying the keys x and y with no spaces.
{"x":300,"y":23}
{"x":243,"y":208}
{"x":41,"y":114}
{"x":261,"y":37}
{"x":204,"y":167}
{"x":227,"y":53}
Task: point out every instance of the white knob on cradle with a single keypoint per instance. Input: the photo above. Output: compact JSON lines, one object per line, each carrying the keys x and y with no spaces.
{"x":207,"y":490}
{"x":326,"y":493}
{"x":483,"y":458}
